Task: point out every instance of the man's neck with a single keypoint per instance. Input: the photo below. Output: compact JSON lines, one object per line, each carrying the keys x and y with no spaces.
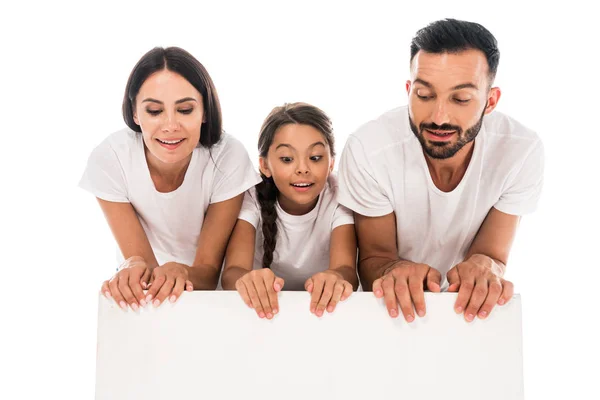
{"x":447,"y":173}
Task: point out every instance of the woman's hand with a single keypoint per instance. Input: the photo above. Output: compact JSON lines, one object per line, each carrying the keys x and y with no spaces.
{"x":259,"y":289}
{"x":168,"y":280}
{"x":126,"y":286}
{"x":327,"y":288}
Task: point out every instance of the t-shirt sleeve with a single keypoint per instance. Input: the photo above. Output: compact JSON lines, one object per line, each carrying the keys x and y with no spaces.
{"x":234,"y":172}
{"x":104,"y":176}
{"x":358,"y":188}
{"x":250,"y":211}
{"x":524,"y":188}
{"x":342,"y":216}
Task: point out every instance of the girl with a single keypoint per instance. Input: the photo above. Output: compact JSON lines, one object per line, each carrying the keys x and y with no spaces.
{"x":291,"y":230}
{"x":171,"y":184}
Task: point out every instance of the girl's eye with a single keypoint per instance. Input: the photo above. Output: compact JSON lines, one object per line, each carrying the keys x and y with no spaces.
{"x":316,"y":158}
{"x":286,"y":159}
{"x":424,"y":97}
{"x":186,"y":111}
{"x":153,"y":112}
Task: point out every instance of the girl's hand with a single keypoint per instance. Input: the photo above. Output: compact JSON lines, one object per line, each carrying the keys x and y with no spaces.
{"x":168,"y":280}
{"x":126,"y":286}
{"x":259,"y":289}
{"x":327,"y":288}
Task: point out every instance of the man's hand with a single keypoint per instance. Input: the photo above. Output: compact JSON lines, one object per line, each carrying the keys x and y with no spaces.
{"x":403,"y":283}
{"x":478,"y":281}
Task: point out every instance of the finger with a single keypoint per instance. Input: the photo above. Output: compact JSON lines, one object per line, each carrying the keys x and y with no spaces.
{"x":156,"y":282}
{"x":338,"y":290}
{"x":136,"y":288}
{"x":126,"y":291}
{"x":105,"y":290}
{"x":240,"y":286}
{"x":254,"y":298}
{"x":189,"y":286}
{"x":319,"y":283}
{"x":347,"y":290}
{"x":434,"y":280}
{"x":453,"y":280}
{"x":145,"y":278}
{"x":389,"y":296}
{"x":377,"y":289}
{"x":113,"y":285}
{"x":415,"y":287}
{"x":177,"y":289}
{"x":464,"y":294}
{"x":402,"y":292}
{"x":494,"y":292}
{"x":272,"y":294}
{"x":507,"y":292}
{"x":164,"y":291}
{"x":326,"y":295}
{"x":278,"y":284}
{"x":261,"y":290}
{"x":308,"y":285}
{"x":477,"y":298}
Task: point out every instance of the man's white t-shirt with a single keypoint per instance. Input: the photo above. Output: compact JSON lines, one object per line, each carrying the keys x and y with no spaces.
{"x":302,"y":248}
{"x":383,"y":170}
{"x":117,"y":171}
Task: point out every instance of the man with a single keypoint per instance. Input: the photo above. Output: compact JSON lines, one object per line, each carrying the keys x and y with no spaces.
{"x":438,"y":186}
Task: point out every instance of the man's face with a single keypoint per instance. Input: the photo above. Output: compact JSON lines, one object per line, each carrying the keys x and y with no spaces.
{"x":448,"y":96}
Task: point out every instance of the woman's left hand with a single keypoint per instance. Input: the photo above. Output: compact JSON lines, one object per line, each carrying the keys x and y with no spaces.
{"x":327,"y":288}
{"x":168,"y":280}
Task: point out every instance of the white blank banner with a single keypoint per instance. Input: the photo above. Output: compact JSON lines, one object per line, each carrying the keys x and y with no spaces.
{"x":209,"y":345}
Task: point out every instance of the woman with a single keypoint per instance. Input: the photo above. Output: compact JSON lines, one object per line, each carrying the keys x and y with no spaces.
{"x":170,"y":185}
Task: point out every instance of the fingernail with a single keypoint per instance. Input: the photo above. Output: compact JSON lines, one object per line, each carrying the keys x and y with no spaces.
{"x":275,"y":311}
{"x":393,"y":313}
{"x":156,"y":303}
{"x":410,"y":318}
{"x":123,"y":305}
{"x":501,"y":301}
{"x":312,"y":310}
{"x":107,"y":295}
{"x":378,"y":293}
{"x":172,"y":299}
{"x":148,"y":298}
{"x":134,"y":306}
{"x":421,"y":313}
{"x":470,"y":317}
{"x":269,"y":315}
{"x":143,"y":302}
{"x":330,"y":309}
{"x":277,"y":286}
{"x":261,"y":314}
{"x":483,"y":314}
{"x":144,"y":285}
{"x":320,"y":313}
{"x":458,"y":310}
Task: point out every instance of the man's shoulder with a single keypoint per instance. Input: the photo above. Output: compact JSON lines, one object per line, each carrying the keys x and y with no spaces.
{"x":388,"y":129}
{"x":507,"y":130}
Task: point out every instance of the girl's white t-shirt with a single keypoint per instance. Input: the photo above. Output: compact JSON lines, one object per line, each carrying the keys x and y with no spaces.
{"x":302,"y":247}
{"x":117,"y":171}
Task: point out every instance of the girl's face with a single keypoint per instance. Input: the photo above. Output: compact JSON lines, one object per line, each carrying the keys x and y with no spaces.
{"x":299,"y":160}
{"x":170,"y":112}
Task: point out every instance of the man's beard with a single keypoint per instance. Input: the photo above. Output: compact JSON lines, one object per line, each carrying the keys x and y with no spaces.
{"x":443,"y":150}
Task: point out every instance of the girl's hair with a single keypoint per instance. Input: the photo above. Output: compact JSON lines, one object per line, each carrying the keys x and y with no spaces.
{"x":183,"y":63}
{"x":289,"y":113}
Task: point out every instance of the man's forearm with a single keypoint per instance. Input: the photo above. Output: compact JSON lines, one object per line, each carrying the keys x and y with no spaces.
{"x":373,"y":268}
{"x":497,"y":266}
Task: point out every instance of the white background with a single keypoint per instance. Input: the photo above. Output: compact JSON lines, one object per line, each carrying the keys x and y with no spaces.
{"x":63,"y":71}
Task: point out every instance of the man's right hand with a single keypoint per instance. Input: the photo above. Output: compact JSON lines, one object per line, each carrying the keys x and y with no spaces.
{"x":403,"y":283}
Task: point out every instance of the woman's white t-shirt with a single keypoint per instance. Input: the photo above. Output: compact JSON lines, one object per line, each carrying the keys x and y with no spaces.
{"x":302,"y":247}
{"x":117,"y":171}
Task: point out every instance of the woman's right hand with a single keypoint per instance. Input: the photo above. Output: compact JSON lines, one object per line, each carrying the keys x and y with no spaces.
{"x":259,"y":289}
{"x":126,"y":286}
